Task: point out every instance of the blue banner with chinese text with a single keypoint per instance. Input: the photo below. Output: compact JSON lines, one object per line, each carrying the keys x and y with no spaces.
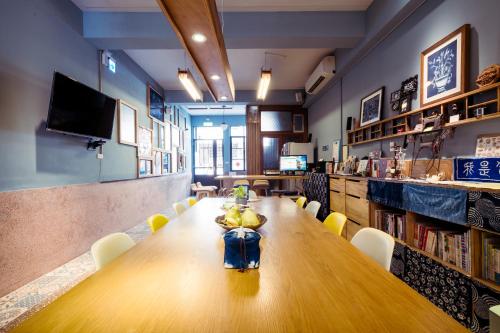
{"x":478,"y":169}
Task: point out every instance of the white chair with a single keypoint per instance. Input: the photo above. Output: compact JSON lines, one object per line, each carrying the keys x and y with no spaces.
{"x":109,"y":247}
{"x":252,"y":194}
{"x":179,"y":208}
{"x":376,"y":244}
{"x":313,"y":208}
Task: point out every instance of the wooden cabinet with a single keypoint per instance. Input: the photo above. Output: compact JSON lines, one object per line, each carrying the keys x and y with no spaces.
{"x":348,"y":196}
{"x":337,"y":202}
{"x":351,"y":229}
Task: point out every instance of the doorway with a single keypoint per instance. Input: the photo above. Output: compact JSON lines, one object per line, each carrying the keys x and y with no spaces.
{"x":208,"y":154}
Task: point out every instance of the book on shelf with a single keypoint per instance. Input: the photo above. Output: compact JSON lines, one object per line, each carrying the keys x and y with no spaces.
{"x":491,"y":259}
{"x":451,"y":246}
{"x":392,"y":223}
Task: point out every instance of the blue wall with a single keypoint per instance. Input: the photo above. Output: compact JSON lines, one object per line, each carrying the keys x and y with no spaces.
{"x":217,"y":120}
{"x":38,"y":37}
{"x":397,"y":58}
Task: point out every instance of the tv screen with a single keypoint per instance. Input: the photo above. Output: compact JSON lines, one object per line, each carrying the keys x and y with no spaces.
{"x":293,"y":163}
{"x":80,"y":110}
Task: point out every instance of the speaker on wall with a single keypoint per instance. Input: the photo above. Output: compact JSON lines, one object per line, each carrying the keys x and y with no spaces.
{"x":349,"y":124}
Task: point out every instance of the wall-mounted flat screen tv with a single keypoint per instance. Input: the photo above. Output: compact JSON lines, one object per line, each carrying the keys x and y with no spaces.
{"x":293,"y":163}
{"x":80,"y":110}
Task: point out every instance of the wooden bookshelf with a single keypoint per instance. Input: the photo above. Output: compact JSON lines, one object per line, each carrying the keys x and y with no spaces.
{"x":402,"y":124}
{"x":477,"y":256}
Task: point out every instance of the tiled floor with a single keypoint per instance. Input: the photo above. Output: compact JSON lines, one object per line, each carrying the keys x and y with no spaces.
{"x":17,"y":305}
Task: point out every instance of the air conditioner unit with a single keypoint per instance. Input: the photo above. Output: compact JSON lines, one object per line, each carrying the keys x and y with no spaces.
{"x":323,"y":73}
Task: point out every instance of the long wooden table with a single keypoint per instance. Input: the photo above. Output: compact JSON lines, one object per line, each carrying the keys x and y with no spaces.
{"x":309,"y":281}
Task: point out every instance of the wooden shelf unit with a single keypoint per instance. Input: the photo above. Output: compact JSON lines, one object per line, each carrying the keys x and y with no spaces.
{"x":477,"y":256}
{"x":402,"y":124}
{"x":411,"y":219}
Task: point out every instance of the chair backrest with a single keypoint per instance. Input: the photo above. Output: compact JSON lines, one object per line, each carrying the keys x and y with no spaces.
{"x":335,"y":222}
{"x":241,"y":182}
{"x":313,"y":208}
{"x":192,"y":201}
{"x":109,"y":247}
{"x":376,"y":244}
{"x":301,"y":201}
{"x":179,"y":208}
{"x":252,"y":194}
{"x":156,"y":222}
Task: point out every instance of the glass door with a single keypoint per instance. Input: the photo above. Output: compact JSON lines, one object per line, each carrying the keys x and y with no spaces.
{"x":208,"y":155}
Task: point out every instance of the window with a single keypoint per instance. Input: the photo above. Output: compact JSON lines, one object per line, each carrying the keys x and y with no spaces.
{"x":238,"y":148}
{"x":275,"y":121}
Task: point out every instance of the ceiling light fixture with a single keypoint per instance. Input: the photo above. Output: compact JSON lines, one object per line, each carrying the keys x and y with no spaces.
{"x":199,"y":38}
{"x":223,"y":125}
{"x":265,"y":81}
{"x":215,"y":77}
{"x":189,"y":84}
{"x":223,"y":98}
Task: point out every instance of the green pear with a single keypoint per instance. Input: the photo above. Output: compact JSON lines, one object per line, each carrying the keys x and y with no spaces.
{"x":249,"y":218}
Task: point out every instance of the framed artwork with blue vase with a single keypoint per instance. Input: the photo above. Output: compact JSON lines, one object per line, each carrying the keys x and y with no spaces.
{"x":444,"y":67}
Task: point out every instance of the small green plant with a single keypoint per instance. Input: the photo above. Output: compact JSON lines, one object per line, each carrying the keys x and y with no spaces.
{"x":239,"y":192}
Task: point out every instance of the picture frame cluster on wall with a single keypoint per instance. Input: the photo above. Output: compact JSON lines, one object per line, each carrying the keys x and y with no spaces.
{"x":160,"y":146}
{"x":371,"y":107}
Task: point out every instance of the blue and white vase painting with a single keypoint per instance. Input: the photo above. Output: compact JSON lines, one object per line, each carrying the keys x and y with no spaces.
{"x":441,"y":69}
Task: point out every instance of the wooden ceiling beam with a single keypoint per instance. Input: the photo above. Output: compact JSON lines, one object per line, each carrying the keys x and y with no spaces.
{"x":188,"y":17}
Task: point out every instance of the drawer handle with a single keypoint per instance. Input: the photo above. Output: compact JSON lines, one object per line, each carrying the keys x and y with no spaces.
{"x":335,"y":191}
{"x":354,"y":196}
{"x":353,"y":180}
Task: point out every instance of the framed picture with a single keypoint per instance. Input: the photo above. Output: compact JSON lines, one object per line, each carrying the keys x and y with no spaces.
{"x":155,"y":134}
{"x":488,"y":145}
{"x":156,"y":105}
{"x":168,"y":137}
{"x":145,"y":167}
{"x":298,"y":123}
{"x":175,"y":137}
{"x":127,"y":123}
{"x":405,"y":104}
{"x":157,"y":163}
{"x":371,"y":107}
{"x":144,"y":142}
{"x":165,"y":163}
{"x":174,"y":160}
{"x":444,"y":67}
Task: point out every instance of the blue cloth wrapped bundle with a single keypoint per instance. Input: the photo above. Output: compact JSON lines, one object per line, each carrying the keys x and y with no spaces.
{"x":241,"y":249}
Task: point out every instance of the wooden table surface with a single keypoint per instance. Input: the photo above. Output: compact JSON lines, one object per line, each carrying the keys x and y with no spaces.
{"x":309,"y":281}
{"x":267,"y":177}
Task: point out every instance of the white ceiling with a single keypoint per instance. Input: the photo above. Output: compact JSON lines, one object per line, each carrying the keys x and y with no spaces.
{"x":215,"y":109}
{"x":231,"y":5}
{"x":287,"y":73}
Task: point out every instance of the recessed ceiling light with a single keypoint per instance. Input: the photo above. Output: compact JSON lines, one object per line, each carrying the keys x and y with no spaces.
{"x":223,"y":98}
{"x":199,"y":38}
{"x":215,"y":77}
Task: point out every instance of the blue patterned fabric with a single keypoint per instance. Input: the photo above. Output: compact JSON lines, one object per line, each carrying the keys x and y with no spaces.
{"x":446,"y":204}
{"x":241,"y":253}
{"x":386,"y":193}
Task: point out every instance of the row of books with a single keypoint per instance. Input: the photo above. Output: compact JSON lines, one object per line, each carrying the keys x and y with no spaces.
{"x":451,"y":246}
{"x":491,"y":259}
{"x":392,"y":223}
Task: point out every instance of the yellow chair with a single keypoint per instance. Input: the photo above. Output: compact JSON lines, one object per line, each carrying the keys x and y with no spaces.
{"x":335,"y":223}
{"x":192,"y":201}
{"x":301,"y":201}
{"x":109,"y":247}
{"x":179,"y":208}
{"x":156,"y":222}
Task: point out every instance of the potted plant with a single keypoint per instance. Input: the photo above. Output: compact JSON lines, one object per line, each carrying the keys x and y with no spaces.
{"x":240,"y":195}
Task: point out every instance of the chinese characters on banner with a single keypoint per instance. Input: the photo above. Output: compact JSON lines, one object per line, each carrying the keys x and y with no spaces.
{"x":477,"y":169}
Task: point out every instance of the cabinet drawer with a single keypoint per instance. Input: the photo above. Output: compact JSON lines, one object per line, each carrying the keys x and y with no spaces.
{"x":352,"y":229}
{"x":337,"y":184}
{"x":337,"y":202}
{"x":357,"y":210}
{"x":356,"y":187}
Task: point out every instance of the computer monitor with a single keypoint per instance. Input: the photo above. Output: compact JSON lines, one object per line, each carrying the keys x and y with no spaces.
{"x":293,"y":163}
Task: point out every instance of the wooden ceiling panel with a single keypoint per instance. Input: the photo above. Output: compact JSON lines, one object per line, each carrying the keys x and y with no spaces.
{"x":188,"y":17}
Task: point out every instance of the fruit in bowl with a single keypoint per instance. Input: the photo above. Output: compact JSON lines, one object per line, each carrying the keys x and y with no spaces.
{"x":235,"y":219}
